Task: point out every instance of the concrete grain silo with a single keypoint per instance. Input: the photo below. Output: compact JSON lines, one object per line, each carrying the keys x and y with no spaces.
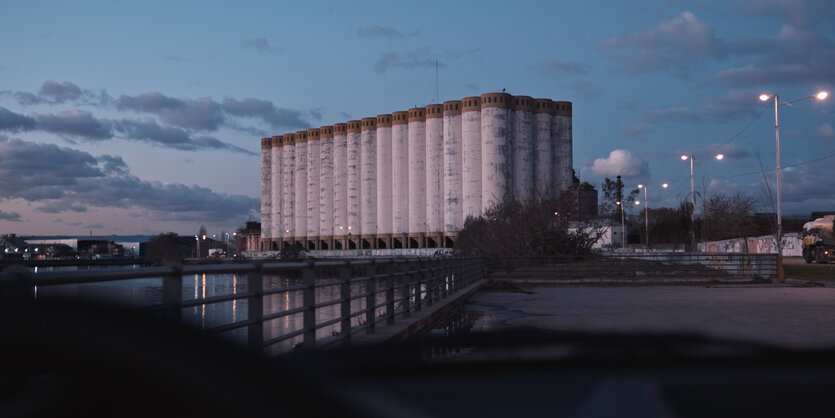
{"x":522,"y":146}
{"x":326,"y":213}
{"x":400,"y":179}
{"x":434,"y":175}
{"x":288,"y":189}
{"x":313,"y":170}
{"x":354,"y":184}
{"x":266,"y":192}
{"x":453,"y":163}
{"x":543,"y":167}
{"x":368,"y":182}
{"x":471,"y":156}
{"x":300,"y":183}
{"x":384,"y":181}
{"x":276,"y":231}
{"x":496,"y":158}
{"x":340,"y":185}
{"x":417,"y":177}
{"x":562,"y":116}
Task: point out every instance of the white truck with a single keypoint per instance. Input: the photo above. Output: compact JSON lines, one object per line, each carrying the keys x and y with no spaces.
{"x":818,"y":240}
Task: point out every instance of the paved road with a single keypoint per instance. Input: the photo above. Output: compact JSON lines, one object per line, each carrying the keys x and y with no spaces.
{"x":790,"y":316}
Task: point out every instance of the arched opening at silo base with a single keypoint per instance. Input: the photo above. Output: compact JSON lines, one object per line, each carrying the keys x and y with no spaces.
{"x":274,"y":246}
{"x":311,"y":245}
{"x":366,"y":244}
{"x":430,"y":243}
{"x":381,"y":243}
{"x":300,"y":244}
{"x":323,"y":245}
{"x":396,"y":243}
{"x":414,"y":243}
{"x":449,"y":242}
{"x":337,"y":245}
{"x":352,"y":244}
{"x":286,"y":244}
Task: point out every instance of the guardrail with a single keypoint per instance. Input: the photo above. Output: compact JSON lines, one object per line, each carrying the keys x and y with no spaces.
{"x":382,"y":289}
{"x":689,"y":266}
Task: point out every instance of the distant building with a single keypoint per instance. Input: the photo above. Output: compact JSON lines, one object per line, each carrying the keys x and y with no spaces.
{"x":579,"y":201}
{"x":248,"y":238}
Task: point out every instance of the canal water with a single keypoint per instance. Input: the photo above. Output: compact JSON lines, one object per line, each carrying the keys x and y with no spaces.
{"x":136,"y":293}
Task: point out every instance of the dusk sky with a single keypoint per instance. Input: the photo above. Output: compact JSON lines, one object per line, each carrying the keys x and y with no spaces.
{"x":146,"y":117}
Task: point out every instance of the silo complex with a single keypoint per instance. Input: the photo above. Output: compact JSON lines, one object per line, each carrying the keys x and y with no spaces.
{"x":410,"y":179}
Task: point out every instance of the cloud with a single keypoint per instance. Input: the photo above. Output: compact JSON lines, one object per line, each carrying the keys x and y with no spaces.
{"x":171,"y":137}
{"x":202,"y":114}
{"x":678,"y":45}
{"x":14,"y":122}
{"x":826,"y":132}
{"x":632,"y":130}
{"x":63,"y":179}
{"x":60,"y":92}
{"x":798,"y":13}
{"x":266,"y":111}
{"x":584,"y":89}
{"x":10,"y":216}
{"x":620,"y":162}
{"x":674,"y":115}
{"x":735,"y":105}
{"x":419,"y":58}
{"x":258,"y":44}
{"x":386,"y":32}
{"x":74,"y":123}
{"x":728,"y":150}
{"x":554,"y":67}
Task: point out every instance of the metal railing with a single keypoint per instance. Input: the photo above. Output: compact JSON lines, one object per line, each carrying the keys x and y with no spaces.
{"x":689,"y":266}
{"x":371,"y":292}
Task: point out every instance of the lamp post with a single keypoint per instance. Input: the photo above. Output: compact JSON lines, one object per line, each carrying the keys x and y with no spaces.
{"x":622,"y":234}
{"x":821,"y":95}
{"x":693,"y":197}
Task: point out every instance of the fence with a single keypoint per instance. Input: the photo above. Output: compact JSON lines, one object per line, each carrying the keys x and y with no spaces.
{"x":370,"y":292}
{"x":667,"y":266}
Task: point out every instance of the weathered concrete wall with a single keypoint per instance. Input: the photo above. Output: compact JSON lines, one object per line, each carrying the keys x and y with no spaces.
{"x":340,"y":180}
{"x":353,"y":175}
{"x":471,"y":156}
{"x":275,"y":227}
{"x":496,"y":157}
{"x":384,"y":175}
{"x":368,"y":179}
{"x":543,"y":166}
{"x":522,"y":146}
{"x":288,"y":186}
{"x":434,"y":168}
{"x":561,"y":133}
{"x":300,"y":183}
{"x":400,"y":172}
{"x":792,"y":245}
{"x":326,"y":212}
{"x":453,"y":164}
{"x":266,"y":187}
{"x":417,"y":171}
{"x":313,"y":177}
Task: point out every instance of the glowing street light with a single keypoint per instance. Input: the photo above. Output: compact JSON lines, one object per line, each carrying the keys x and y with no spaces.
{"x":622,"y":232}
{"x":821,"y":95}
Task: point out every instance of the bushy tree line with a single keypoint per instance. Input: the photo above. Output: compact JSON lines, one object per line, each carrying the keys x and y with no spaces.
{"x":513,"y":228}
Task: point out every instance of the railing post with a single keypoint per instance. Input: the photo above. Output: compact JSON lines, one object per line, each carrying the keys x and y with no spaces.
{"x":390,"y":295}
{"x":309,"y":303}
{"x":345,"y":304}
{"x":172,"y":294}
{"x":255,"y":311}
{"x":370,"y":298}
{"x":429,"y":279}
{"x":406,"y":292}
{"x":418,"y":275}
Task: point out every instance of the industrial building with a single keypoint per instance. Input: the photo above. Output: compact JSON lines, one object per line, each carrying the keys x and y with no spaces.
{"x":409,"y":179}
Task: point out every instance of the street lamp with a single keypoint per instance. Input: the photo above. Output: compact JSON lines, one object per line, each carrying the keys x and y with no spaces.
{"x":821,"y":95}
{"x":646,"y":209}
{"x":622,"y":233}
{"x":693,"y":197}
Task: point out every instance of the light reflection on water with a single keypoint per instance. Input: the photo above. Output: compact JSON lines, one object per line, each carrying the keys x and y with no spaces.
{"x":148,"y":291}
